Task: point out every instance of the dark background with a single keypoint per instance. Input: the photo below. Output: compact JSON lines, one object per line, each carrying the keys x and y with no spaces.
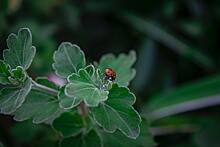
{"x":177,"y":43}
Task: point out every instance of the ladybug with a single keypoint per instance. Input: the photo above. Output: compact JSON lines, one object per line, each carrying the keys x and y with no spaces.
{"x":110,"y":74}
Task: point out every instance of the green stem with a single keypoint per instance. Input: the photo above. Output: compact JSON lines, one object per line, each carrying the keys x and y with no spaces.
{"x":43,"y":88}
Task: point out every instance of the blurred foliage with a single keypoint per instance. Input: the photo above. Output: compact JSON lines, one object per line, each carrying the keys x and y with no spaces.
{"x":208,"y":135}
{"x":177,"y":42}
{"x":185,"y":93}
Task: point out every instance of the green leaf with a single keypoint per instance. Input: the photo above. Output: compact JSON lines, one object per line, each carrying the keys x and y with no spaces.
{"x":69,"y":124}
{"x":18,"y":75}
{"x":66,"y":102}
{"x":11,"y":98}
{"x":20,"y":52}
{"x":117,"y":113}
{"x":122,"y":65}
{"x":90,"y":139}
{"x":68,"y":59}
{"x":84,"y":87}
{"x":26,"y":131}
{"x":4,"y":73}
{"x":145,"y":138}
{"x":40,"y":107}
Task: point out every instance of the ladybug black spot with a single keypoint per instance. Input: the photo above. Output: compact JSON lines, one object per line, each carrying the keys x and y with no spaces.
{"x":110,"y":78}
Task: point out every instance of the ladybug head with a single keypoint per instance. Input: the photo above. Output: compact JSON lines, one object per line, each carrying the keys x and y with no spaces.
{"x":110,"y":74}
{"x":108,"y":71}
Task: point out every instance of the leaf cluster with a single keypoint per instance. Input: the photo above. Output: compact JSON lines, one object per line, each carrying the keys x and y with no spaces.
{"x":83,"y":111}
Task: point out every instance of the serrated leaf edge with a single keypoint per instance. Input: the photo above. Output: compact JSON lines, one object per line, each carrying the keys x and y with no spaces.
{"x":72,"y":105}
{"x":69,"y":82}
{"x":16,"y":36}
{"x":119,"y":128}
{"x":59,"y":48}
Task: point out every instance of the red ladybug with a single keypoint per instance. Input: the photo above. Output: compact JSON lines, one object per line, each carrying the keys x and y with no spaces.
{"x":110,"y":74}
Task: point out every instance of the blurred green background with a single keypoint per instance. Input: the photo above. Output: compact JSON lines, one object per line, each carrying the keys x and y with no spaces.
{"x":177,"y":43}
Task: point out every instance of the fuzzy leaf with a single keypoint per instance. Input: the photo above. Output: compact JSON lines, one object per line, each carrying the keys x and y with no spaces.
{"x":68,"y":59}
{"x":11,"y":98}
{"x":84,"y":87}
{"x":90,"y":139}
{"x":40,"y":107}
{"x":118,"y":139}
{"x":70,"y":102}
{"x":4,"y":73}
{"x":18,"y":75}
{"x":122,"y":65}
{"x":117,"y":113}
{"x":20,"y":52}
{"x":69,"y":124}
{"x":67,"y":102}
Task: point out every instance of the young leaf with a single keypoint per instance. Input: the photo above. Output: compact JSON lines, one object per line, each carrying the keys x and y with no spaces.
{"x":40,"y":107}
{"x":4,"y":73}
{"x":117,"y":113}
{"x":20,"y":52}
{"x":70,"y":102}
{"x":18,"y":75}
{"x":90,"y":139}
{"x":69,"y":124}
{"x":145,"y":138}
{"x":122,"y":66}
{"x":11,"y":98}
{"x":66,"y":102}
{"x":83,"y":87}
{"x":68,"y":59}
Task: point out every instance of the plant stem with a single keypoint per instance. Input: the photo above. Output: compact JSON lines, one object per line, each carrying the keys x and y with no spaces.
{"x":184,"y":107}
{"x":43,"y":88}
{"x":83,"y":110}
